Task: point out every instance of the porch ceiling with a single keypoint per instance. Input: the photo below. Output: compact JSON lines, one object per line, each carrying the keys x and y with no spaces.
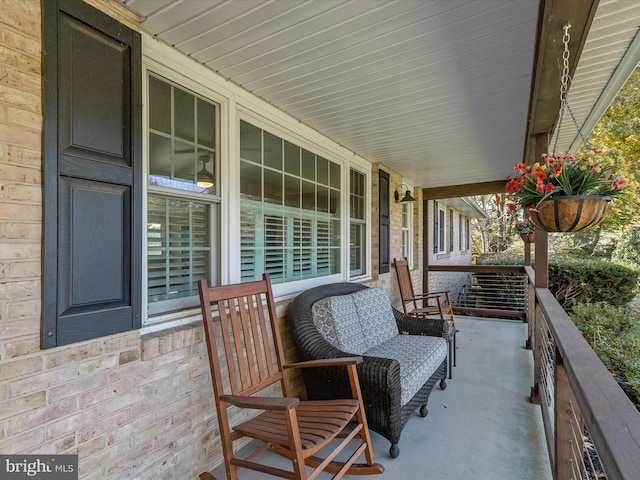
{"x":441,"y":92}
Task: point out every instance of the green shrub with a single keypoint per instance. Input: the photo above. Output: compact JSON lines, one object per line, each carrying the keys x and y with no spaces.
{"x":613,"y":333}
{"x":575,"y":279}
{"x":628,"y":248}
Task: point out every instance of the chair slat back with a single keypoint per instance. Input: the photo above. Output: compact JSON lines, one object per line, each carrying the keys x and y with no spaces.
{"x":252,"y":354}
{"x":405,"y":284}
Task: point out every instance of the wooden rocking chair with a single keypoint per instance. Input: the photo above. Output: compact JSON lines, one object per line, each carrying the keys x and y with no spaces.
{"x":426,"y":304}
{"x":251,"y":362}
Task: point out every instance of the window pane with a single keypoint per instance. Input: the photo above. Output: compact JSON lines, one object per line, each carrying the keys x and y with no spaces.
{"x":250,"y":181}
{"x":292,"y":191}
{"x":250,"y":143}
{"x":335,"y":175}
{"x":291,"y":158}
{"x":308,"y":195}
{"x":206,"y":124}
{"x":357,"y":227}
{"x":441,"y":231}
{"x":159,"y":156}
{"x":334,"y":202}
{"x":272,"y":151}
{"x":248,"y":245}
{"x":273,"y":187}
{"x":274,"y":240}
{"x":356,"y":248}
{"x":184,"y":121}
{"x":159,"y":106}
{"x":323,"y":199}
{"x":178,"y":247}
{"x":322,"y":165}
{"x":308,"y":165}
{"x":184,"y":162}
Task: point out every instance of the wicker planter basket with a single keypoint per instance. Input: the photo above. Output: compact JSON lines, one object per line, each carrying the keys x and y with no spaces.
{"x":571,"y":213}
{"x":528,"y":237}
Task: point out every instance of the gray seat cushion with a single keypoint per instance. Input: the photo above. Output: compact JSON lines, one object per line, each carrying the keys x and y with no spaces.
{"x":419,"y":356}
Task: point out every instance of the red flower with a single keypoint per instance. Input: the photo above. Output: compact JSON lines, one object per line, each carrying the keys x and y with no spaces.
{"x":540,"y":186}
{"x":513,"y":186}
{"x":619,"y":182}
{"x":557,"y":170}
{"x":548,"y":187}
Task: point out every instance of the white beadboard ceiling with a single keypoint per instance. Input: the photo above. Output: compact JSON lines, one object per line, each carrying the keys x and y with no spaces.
{"x":437,"y":90}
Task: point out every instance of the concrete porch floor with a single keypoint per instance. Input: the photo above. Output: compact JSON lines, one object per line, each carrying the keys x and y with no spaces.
{"x":481,"y":427}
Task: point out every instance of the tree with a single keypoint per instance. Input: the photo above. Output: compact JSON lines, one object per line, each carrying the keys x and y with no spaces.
{"x":617,"y":136}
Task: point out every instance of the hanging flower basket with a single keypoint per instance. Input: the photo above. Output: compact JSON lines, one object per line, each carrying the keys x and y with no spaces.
{"x":528,"y":237}
{"x":570,"y":213}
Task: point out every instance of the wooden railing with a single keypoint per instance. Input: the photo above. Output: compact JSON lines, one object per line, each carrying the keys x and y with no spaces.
{"x":592,"y":428}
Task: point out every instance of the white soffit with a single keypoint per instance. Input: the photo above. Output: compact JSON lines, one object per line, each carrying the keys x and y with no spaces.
{"x":436,"y":90}
{"x":610,"y":55}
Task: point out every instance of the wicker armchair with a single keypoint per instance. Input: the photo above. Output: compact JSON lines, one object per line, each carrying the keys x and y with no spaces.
{"x":379,"y":377}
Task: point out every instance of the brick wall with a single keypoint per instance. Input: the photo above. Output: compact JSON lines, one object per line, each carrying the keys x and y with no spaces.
{"x":130,"y":407}
{"x":455,"y":282}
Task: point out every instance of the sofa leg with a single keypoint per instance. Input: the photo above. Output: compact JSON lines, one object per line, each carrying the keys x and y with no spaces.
{"x":423,"y":410}
{"x":443,"y":384}
{"x":394,"y":450}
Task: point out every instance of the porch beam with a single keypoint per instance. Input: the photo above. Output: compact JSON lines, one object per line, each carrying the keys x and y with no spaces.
{"x":544,"y":103}
{"x":467,"y":190}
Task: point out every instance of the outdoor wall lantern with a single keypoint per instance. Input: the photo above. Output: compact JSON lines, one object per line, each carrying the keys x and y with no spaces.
{"x":408,"y":198}
{"x":205,"y":177}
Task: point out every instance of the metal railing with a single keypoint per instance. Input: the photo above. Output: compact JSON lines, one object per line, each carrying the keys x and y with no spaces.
{"x":498,"y":292}
{"x":592,"y":428}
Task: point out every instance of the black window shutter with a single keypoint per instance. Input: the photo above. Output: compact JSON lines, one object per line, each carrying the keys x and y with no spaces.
{"x":92,"y":174}
{"x":384,"y":236}
{"x":436,"y":229}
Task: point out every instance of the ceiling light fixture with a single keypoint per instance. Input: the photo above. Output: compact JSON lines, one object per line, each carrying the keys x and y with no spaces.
{"x":205,"y":177}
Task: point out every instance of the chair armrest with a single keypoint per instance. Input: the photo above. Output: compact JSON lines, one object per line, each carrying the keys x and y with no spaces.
{"x":261,"y":403}
{"x":325,"y":362}
{"x":434,"y":327}
{"x":422,"y":296}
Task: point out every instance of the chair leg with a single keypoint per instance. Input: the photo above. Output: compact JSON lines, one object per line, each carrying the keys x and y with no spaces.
{"x":454,"y":348}
{"x":450,"y":358}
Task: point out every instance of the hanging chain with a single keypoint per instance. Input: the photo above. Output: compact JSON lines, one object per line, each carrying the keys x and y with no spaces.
{"x":564,"y":90}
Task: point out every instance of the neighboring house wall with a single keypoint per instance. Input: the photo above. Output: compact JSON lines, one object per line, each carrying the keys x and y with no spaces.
{"x":460,"y":254}
{"x":130,"y":405}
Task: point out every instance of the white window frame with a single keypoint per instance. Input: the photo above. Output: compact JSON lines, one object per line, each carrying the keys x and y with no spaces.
{"x":289,"y":289}
{"x":362,"y":223}
{"x":168,"y":313}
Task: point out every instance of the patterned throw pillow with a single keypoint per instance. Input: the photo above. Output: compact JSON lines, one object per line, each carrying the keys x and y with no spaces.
{"x":323,"y":320}
{"x":376,"y":317}
{"x":343,"y":314}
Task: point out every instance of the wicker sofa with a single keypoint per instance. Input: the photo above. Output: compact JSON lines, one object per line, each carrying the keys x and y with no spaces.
{"x":404,"y":357}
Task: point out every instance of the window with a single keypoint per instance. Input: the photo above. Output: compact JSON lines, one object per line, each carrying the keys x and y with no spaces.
{"x":450,"y":230}
{"x":407,"y":250}
{"x":289,"y":207}
{"x":460,"y":232}
{"x":357,"y":223}
{"x":182,"y":194}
